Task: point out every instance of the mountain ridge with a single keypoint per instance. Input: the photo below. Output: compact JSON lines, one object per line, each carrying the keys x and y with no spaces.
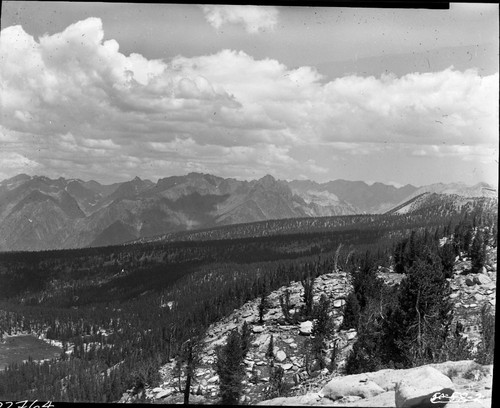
{"x":84,"y":213}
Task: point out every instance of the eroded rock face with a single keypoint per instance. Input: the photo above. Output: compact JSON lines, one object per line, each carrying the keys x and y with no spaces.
{"x":419,"y":385}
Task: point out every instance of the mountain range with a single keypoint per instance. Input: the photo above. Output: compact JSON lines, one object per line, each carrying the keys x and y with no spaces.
{"x":39,"y":213}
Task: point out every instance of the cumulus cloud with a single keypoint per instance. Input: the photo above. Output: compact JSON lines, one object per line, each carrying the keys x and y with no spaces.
{"x":481,"y":153}
{"x":15,"y":163}
{"x":80,"y":104}
{"x":421,"y":108}
{"x":253,"y":18}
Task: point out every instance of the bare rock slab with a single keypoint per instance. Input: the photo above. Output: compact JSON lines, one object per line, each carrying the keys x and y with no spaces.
{"x":380,"y":401}
{"x":419,"y":385}
{"x":300,"y":400}
{"x":351,"y":385}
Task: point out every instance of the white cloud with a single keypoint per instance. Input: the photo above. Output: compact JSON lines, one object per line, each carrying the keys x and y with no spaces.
{"x":78,"y":102}
{"x":253,"y":18}
{"x":452,"y":106}
{"x":15,"y":163}
{"x":482,"y":153}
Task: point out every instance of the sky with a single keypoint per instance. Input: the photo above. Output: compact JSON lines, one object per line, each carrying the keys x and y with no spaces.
{"x":110,"y":91}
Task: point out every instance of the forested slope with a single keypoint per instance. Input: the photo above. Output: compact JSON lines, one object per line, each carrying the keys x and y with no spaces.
{"x":123,"y":311}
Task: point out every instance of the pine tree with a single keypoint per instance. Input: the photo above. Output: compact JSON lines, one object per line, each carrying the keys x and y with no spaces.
{"x":425,"y":314}
{"x":466,"y":240}
{"x":285,"y":306}
{"x":308,"y":285}
{"x":270,"y":349}
{"x":457,"y":347}
{"x":322,"y":330}
{"x":365,"y":355}
{"x":333,"y":356}
{"x":478,"y":252}
{"x":323,"y":323}
{"x":485,"y":353}
{"x":351,"y":312}
{"x":276,"y":382}
{"x":246,"y":338}
{"x":191,"y":358}
{"x":447,"y":255}
{"x":186,"y":364}
{"x":229,"y":368}
{"x":263,"y":307}
{"x":336,"y":258}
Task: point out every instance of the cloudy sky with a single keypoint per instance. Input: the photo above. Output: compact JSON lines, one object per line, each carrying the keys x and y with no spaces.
{"x":109,"y":91}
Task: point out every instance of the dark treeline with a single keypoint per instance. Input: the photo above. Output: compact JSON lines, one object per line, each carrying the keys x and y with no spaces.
{"x":124,"y":311}
{"x":433,"y":213}
{"x":125,"y":266}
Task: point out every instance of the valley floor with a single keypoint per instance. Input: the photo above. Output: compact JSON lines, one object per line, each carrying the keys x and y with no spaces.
{"x":21,"y":347}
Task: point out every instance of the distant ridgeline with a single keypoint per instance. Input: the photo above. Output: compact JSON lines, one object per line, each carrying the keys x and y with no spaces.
{"x":123,"y":311}
{"x":38,"y":213}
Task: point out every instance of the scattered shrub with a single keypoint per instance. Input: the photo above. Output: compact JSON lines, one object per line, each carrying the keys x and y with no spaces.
{"x":452,"y":373}
{"x":485,"y":352}
{"x":277,"y":384}
{"x":476,"y":372}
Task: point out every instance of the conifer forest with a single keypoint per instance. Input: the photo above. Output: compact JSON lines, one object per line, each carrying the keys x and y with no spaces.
{"x":121,"y":312}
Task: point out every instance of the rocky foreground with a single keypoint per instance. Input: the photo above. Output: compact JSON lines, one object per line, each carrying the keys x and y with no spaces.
{"x":468,"y":382}
{"x":457,"y":383}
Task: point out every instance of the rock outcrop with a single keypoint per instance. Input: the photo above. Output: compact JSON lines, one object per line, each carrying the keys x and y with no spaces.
{"x":472,"y":291}
{"x":351,"y":386}
{"x":330,"y":388}
{"x":420,"y":385}
{"x":470,"y":382}
{"x":288,"y":342}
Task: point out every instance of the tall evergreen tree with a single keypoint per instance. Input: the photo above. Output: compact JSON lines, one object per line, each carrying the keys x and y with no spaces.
{"x":285,"y":306}
{"x":263,"y":307}
{"x":486,"y":348}
{"x":229,"y":368}
{"x":478,"y":251}
{"x":423,"y":310}
{"x":351,"y":312}
{"x":246,"y":338}
{"x":447,"y":255}
{"x":322,"y":330}
{"x":187,"y":363}
{"x":308,"y":285}
{"x":467,"y":239}
{"x":270,"y":349}
{"x":276,"y":382}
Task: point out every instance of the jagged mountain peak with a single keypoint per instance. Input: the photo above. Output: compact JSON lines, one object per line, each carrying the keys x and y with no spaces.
{"x":19,"y":177}
{"x":197,"y":174}
{"x":267,"y":179}
{"x":199,"y":200}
